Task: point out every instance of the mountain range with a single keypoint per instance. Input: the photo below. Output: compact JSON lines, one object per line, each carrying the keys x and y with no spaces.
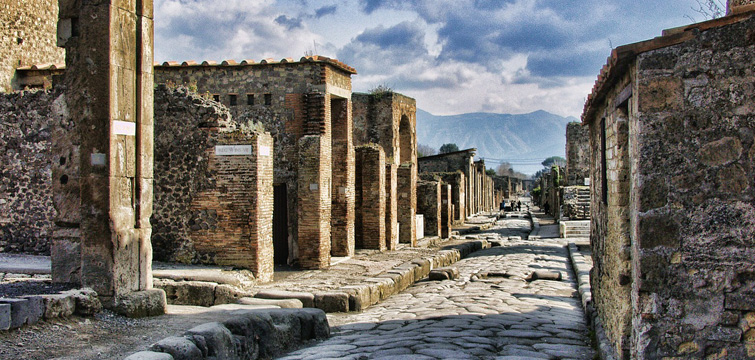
{"x":524,"y":140}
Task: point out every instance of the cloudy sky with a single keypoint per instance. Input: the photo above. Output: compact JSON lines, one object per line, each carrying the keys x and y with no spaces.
{"x":453,"y":56}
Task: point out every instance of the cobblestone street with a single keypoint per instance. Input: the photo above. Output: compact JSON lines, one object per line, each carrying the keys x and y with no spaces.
{"x":493,"y":311}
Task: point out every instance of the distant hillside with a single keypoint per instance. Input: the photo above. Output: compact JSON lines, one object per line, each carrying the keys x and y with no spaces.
{"x":534,"y":136}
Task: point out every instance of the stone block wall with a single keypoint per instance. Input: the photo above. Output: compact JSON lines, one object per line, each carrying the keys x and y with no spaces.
{"x":577,"y":154}
{"x":27,"y":127}
{"x":457,"y":182}
{"x":457,"y":161}
{"x":692,"y":205}
{"x":429,"y":205}
{"x":370,"y":197}
{"x":672,"y":194}
{"x":27,"y":29}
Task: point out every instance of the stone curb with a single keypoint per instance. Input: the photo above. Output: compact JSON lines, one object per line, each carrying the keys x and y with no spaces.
{"x":249,"y":335}
{"x":30,"y":309}
{"x":358,"y":297}
{"x":582,"y":271}
{"x":534,"y":226}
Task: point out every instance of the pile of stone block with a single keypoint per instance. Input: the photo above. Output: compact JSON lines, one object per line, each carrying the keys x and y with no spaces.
{"x":29,"y":309}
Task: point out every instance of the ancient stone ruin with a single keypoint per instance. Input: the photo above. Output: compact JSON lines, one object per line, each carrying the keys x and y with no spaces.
{"x":671,"y":156}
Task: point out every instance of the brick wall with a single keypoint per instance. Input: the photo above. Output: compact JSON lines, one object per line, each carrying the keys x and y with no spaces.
{"x":457,"y":182}
{"x":609,"y":228}
{"x":391,"y":206}
{"x":28,"y":30}
{"x":370,"y":197}
{"x":407,"y":203}
{"x":457,"y":161}
{"x":429,"y":205}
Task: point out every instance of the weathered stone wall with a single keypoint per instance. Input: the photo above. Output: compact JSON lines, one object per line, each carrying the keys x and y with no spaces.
{"x":446,"y":211}
{"x":693,"y":190}
{"x":732,"y":5}
{"x":27,"y":30}
{"x":370,"y":197}
{"x":577,"y":154}
{"x":210,"y":208}
{"x":27,"y":121}
{"x":457,"y":161}
{"x":457,"y":182}
{"x":609,"y":227}
{"x":377,"y":119}
{"x":428,"y":204}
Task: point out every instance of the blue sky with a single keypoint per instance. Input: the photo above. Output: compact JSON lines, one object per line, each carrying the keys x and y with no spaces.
{"x":453,"y":56}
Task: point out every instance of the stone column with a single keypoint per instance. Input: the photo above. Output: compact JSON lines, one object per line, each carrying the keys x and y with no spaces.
{"x":109,"y":94}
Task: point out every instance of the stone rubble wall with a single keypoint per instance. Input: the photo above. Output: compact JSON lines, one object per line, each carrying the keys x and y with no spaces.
{"x":26,"y":200}
{"x":27,"y":31}
{"x":577,"y":154}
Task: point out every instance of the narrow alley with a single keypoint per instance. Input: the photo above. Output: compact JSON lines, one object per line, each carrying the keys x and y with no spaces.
{"x":494,"y":310}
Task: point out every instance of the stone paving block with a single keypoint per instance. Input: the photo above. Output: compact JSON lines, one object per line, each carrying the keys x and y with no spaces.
{"x":282,"y":303}
{"x":149,"y":355}
{"x":385,"y":286}
{"x":307,"y":299}
{"x":360,"y":296}
{"x":544,"y":275}
{"x":5,"y":320}
{"x":179,"y":347}
{"x":198,"y":293}
{"x":59,"y":305}
{"x":219,"y":339}
{"x":35,"y":310}
{"x":227,"y":294}
{"x":23,"y":311}
{"x":444,"y":273}
{"x":332,"y":301}
{"x":143,"y":303}
{"x":396,"y":281}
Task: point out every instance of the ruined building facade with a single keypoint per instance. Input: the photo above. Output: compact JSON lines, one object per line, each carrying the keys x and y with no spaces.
{"x":672,"y":153}
{"x":389,"y":121}
{"x":309,"y":105}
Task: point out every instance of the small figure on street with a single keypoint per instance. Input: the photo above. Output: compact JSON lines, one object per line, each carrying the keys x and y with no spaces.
{"x":519,"y":205}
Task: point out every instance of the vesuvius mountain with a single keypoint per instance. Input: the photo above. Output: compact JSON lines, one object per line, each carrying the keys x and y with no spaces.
{"x":524,"y":140}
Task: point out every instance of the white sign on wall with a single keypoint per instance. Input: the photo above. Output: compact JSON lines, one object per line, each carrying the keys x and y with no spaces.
{"x":231,"y":150}
{"x":265,"y":150}
{"x":124,"y":128}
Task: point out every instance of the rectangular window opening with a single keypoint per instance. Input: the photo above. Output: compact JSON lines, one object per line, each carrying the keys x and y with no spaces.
{"x":216,"y":97}
{"x":250,"y":99}
{"x":233,"y":99}
{"x":268,"y":99}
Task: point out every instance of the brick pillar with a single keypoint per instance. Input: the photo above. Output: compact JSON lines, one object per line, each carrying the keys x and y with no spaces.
{"x":446,"y":211}
{"x":391,"y":206}
{"x":407,"y":203}
{"x":314,"y":203}
{"x":342,"y":155}
{"x":370,"y":194}
{"x":109,"y":93}
{"x":429,"y":205}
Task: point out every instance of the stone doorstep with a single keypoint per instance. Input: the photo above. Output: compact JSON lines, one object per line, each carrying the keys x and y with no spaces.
{"x":358,"y":297}
{"x":29,"y":309}
{"x":249,"y":334}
